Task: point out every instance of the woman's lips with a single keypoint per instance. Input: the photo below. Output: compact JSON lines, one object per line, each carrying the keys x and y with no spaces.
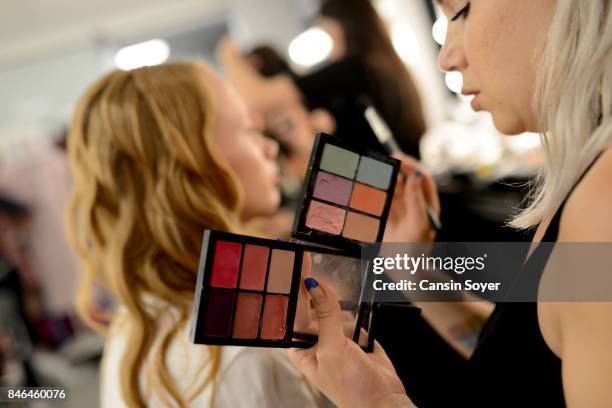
{"x":475,"y":103}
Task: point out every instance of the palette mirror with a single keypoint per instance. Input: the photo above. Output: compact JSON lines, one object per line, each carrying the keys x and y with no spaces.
{"x":343,"y":275}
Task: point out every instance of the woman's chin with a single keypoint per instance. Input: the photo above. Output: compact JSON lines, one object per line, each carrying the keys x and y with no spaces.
{"x":267,"y":208}
{"x":509,"y":125}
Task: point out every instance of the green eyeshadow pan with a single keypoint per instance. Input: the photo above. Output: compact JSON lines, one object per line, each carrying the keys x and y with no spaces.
{"x":339,"y":161}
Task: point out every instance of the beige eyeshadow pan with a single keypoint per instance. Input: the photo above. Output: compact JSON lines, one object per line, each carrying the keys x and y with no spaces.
{"x":360,"y":227}
{"x":279,"y":275}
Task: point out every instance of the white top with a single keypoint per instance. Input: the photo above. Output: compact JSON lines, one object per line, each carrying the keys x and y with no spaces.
{"x":247,"y":376}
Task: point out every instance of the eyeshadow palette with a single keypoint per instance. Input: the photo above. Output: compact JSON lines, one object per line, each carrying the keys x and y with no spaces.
{"x":249,"y":291}
{"x":347,"y":195}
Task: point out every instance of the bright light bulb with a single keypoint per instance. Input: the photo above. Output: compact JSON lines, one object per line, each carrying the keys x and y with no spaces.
{"x":439,"y":30}
{"x":311,"y":47}
{"x":143,"y":54}
{"x":454,"y":81}
{"x":405,"y":43}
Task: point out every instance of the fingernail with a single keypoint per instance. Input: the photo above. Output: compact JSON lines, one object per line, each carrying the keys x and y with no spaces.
{"x":279,"y":238}
{"x":418,"y":173}
{"x":310,"y":283}
{"x":315,"y":291}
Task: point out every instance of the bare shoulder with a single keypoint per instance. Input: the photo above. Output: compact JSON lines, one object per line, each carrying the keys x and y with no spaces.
{"x":587,"y":214}
{"x":586,"y":218}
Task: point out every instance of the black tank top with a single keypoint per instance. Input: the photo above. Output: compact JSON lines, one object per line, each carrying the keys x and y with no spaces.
{"x":512,"y":365}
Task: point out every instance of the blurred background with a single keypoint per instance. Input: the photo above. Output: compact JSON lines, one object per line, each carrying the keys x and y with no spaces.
{"x":50,"y":51}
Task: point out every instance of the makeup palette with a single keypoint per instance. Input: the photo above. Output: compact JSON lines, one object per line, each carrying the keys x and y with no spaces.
{"x":347,"y":195}
{"x":249,"y":291}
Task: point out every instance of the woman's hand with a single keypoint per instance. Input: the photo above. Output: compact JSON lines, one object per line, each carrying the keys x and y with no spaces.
{"x":408,"y":219}
{"x":305,"y":316}
{"x":339,"y":368}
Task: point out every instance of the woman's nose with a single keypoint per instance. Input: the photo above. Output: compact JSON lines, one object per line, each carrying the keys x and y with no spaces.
{"x":452,"y":57}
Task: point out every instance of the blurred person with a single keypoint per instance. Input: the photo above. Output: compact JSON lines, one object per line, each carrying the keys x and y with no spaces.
{"x":267,"y":61}
{"x":15,"y":338}
{"x":540,"y":66}
{"x":290,"y":124}
{"x":364,"y":58}
{"x":363,"y":69}
{"x":20,"y":309}
{"x":265,"y":79}
{"x":259,"y":76}
{"x":40,"y":180}
{"x":158,"y":155}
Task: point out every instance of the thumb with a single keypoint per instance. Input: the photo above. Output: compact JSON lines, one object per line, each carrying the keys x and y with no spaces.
{"x":331,"y":337}
{"x":328,"y":312}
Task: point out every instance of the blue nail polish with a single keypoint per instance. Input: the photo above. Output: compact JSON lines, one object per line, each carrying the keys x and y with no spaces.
{"x":310,"y":283}
{"x":418,"y":173}
{"x":279,"y":238}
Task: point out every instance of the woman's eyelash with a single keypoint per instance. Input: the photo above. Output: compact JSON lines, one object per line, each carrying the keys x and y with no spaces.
{"x":462,"y":13}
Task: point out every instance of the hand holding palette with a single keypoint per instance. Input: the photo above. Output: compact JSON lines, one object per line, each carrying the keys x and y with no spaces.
{"x":249,"y":291}
{"x":347,"y":195}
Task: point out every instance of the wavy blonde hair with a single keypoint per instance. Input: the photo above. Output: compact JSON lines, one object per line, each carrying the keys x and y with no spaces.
{"x":146,"y":184}
{"x":573,"y":101}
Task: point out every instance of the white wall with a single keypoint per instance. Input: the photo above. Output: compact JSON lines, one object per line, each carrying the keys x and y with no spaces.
{"x":40,"y":94}
{"x":43,"y":70}
{"x":272,"y":22}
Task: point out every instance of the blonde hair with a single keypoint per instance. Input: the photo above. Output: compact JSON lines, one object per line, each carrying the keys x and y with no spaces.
{"x":146,"y":185}
{"x":573,"y":101}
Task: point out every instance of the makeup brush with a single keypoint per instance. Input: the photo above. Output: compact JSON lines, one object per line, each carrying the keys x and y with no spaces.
{"x":385,"y":137}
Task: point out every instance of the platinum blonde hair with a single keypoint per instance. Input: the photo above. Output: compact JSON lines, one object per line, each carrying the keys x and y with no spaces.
{"x":573,"y":101}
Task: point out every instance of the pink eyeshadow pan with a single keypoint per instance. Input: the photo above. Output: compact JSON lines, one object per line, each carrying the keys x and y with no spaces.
{"x":273,"y":326}
{"x":332,"y":188}
{"x":326,"y":218}
{"x":254,"y":264}
{"x":246,"y":320}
